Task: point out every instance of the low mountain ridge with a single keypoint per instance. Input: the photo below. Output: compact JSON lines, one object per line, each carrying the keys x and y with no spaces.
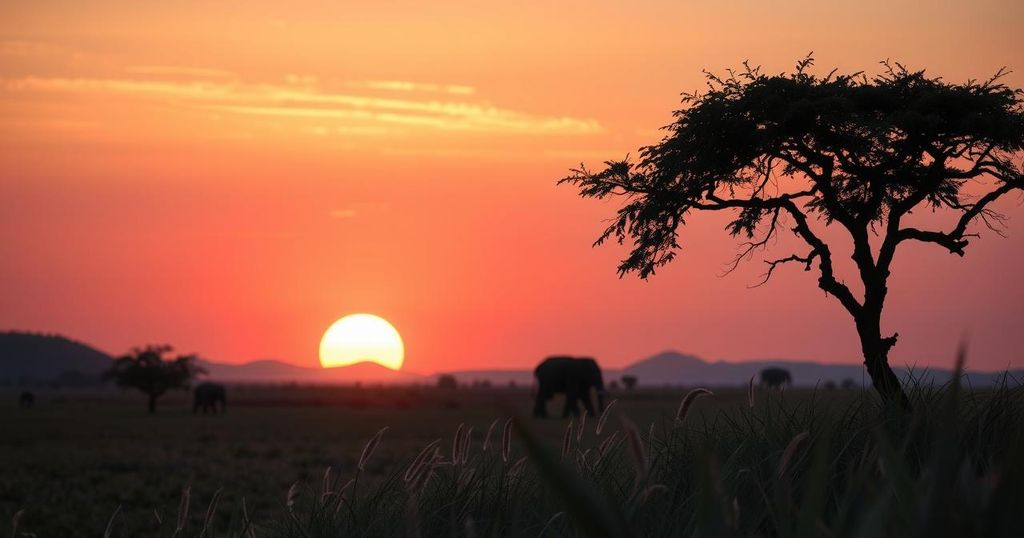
{"x":32,"y":358}
{"x":35,"y":358}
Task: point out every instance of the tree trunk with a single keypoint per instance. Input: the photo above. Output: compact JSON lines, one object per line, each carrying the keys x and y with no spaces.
{"x":152,"y":403}
{"x":876,"y":359}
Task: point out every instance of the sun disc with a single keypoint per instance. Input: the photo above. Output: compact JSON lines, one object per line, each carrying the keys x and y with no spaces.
{"x":361,"y":338}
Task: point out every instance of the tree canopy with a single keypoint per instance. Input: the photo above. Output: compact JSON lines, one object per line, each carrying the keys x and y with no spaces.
{"x":792,"y":149}
{"x":147,"y":370}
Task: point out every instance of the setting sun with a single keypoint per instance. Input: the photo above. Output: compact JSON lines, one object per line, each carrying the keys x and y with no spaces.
{"x":362,"y":338}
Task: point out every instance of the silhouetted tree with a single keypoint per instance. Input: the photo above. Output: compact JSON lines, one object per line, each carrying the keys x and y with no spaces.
{"x":447,"y":381}
{"x":776,"y":378}
{"x":830,"y":385}
{"x":794,"y":152}
{"x":629,"y":381}
{"x":848,"y":384}
{"x":149,"y":371}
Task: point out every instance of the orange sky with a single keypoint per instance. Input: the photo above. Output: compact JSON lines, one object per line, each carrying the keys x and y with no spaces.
{"x":231,"y":177}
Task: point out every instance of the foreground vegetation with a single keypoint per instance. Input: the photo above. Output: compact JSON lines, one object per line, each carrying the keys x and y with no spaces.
{"x":658,"y":463}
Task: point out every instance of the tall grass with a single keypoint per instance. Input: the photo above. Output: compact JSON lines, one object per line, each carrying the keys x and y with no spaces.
{"x":951,"y":466}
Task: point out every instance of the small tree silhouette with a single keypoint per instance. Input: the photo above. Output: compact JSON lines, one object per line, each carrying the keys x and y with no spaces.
{"x":146,"y":369}
{"x":447,"y":381}
{"x":629,"y":381}
{"x":787,"y":152}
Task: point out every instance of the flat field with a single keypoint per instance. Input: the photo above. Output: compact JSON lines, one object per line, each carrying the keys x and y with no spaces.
{"x":78,"y":458}
{"x":71,"y":461}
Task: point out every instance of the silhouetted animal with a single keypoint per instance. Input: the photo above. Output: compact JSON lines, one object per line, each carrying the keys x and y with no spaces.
{"x":207,"y":396}
{"x":572,"y":376}
{"x":27,"y":400}
{"x":775,"y":378}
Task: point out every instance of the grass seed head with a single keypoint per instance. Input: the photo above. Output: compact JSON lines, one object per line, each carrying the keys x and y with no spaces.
{"x":604,"y":417}
{"x":186,"y":495}
{"x":110,"y":523}
{"x":787,"y":455}
{"x":506,"y":440}
{"x":490,"y":430}
{"x":210,"y":511}
{"x":684,"y":406}
{"x":467,"y":441}
{"x":567,"y":440}
{"x":420,"y":460}
{"x":371,"y":445}
{"x":293,"y":493}
{"x":457,"y":443}
{"x":636,"y":446}
{"x":325,"y":485}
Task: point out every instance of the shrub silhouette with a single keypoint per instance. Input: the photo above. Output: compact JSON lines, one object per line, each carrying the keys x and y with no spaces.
{"x":447,"y":381}
{"x":629,"y":381}
{"x":791,"y":152}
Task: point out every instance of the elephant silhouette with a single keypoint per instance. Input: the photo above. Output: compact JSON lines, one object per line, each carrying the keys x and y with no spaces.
{"x":207,"y":396}
{"x":571,"y":376}
{"x":27,"y":400}
{"x":775,"y":378}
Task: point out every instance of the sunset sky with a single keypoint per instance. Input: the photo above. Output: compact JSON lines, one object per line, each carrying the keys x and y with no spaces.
{"x":232,"y":177}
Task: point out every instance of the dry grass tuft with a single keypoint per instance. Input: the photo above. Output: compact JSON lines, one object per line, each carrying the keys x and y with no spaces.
{"x":417,"y":463}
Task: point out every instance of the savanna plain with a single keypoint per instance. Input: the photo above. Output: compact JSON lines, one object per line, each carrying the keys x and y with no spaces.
{"x":314,"y":461}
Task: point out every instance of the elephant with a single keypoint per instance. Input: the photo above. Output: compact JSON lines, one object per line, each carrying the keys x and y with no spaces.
{"x":775,"y":378}
{"x":572,"y":376}
{"x":27,"y":400}
{"x":207,"y":396}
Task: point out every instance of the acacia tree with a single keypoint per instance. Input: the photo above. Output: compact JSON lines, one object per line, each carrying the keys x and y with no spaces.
{"x":146,"y":369}
{"x":798,"y":151}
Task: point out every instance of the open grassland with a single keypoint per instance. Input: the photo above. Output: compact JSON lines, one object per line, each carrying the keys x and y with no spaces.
{"x":802,"y":463}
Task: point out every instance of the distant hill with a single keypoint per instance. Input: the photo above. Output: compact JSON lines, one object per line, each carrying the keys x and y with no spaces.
{"x":31,"y":358}
{"x":28,"y":358}
{"x":272,"y":371}
{"x":674,"y":368}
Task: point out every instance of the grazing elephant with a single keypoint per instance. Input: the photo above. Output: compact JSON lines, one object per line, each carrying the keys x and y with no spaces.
{"x":207,"y":396}
{"x":775,"y":378}
{"x":27,"y":400}
{"x":572,"y":376}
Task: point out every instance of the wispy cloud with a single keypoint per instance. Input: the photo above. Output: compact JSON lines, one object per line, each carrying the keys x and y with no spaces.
{"x":342,"y":213}
{"x":398,"y":85}
{"x":178,"y":71}
{"x":303,"y":98}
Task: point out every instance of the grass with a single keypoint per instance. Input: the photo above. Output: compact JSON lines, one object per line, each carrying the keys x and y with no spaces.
{"x":794,"y":464}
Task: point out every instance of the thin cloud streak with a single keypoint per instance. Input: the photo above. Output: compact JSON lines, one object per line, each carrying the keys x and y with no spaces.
{"x":178,"y":71}
{"x":309,"y":101}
